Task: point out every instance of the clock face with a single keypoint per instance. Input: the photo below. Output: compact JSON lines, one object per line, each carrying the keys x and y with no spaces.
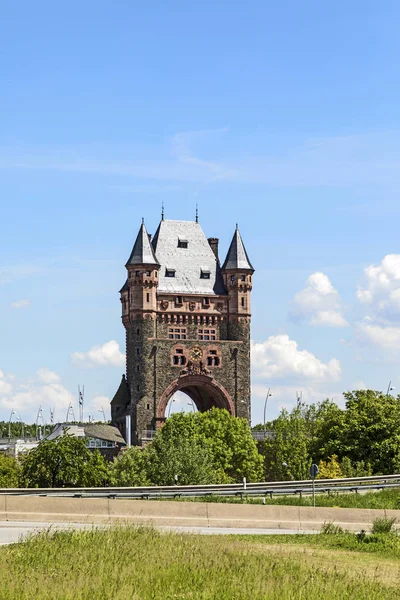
{"x":196,"y":354}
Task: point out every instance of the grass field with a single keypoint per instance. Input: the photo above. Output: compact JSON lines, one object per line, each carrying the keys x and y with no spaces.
{"x":142,"y":564}
{"x":389,"y":498}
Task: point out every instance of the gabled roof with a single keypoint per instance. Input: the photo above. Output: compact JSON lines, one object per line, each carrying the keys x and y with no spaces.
{"x":186,"y":262}
{"x":122,"y":396}
{"x":142,"y":253}
{"x":237,"y":258}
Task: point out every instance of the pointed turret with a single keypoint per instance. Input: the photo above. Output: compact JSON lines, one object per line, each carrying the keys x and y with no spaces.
{"x":237,"y":272}
{"x":142,"y":252}
{"x":237,"y":258}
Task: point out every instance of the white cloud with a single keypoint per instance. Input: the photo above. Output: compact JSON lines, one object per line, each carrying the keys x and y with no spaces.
{"x":385,"y":337}
{"x":24,"y":303}
{"x":25,"y":397}
{"x":279,"y":357}
{"x":319,"y":303}
{"x":47,"y":376}
{"x":107,"y":355}
{"x":381,"y":291}
{"x":5,"y":385}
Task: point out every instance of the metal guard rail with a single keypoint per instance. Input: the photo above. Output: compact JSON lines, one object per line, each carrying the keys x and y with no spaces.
{"x":236,"y":489}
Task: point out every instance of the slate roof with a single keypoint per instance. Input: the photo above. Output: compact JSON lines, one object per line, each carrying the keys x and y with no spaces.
{"x":100,"y":431}
{"x":122,"y":395}
{"x":142,"y":252}
{"x":237,"y":257}
{"x":104,"y":432}
{"x":187,"y":263}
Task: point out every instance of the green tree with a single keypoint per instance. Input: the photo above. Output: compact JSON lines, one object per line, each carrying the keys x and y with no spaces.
{"x":287,"y":453}
{"x":371,"y":430}
{"x":201,"y":448}
{"x":9,"y":471}
{"x":329,"y":469}
{"x":63,"y":462}
{"x":189,"y":459}
{"x":131,"y":468}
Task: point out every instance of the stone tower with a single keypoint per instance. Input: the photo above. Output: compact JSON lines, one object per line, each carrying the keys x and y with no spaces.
{"x":187,"y":323}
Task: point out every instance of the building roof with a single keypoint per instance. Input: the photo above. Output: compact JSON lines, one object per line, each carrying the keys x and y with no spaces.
{"x":122,"y":396}
{"x":100,"y":431}
{"x":237,"y":258}
{"x":188,"y":263}
{"x":142,"y":252}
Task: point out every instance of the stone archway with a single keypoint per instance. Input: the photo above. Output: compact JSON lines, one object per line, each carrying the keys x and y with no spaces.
{"x":202,"y":389}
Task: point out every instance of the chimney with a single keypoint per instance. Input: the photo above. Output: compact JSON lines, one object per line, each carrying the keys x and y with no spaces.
{"x":214,"y":246}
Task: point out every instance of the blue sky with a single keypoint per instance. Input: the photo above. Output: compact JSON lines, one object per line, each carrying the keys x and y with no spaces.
{"x":283,"y":117}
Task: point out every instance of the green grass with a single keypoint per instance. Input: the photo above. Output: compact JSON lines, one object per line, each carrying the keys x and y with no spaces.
{"x":142,"y":564}
{"x":384,"y":545}
{"x":389,"y":499}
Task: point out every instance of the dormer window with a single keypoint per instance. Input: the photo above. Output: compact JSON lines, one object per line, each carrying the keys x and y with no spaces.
{"x":206,"y":301}
{"x":169,"y":272}
{"x":183,"y":243}
{"x":205,"y":273}
{"x":178,"y":300}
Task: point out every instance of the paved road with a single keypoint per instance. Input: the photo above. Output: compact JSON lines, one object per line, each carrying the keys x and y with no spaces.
{"x":14,"y":531}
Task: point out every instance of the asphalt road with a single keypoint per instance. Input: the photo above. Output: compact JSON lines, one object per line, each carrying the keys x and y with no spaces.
{"x":15,"y":531}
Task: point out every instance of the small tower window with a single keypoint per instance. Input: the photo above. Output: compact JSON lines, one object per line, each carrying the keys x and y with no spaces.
{"x":243,"y":278}
{"x":148,"y":406}
{"x":148,"y":297}
{"x":178,"y":358}
{"x":233,"y":278}
{"x":213,"y":359}
{"x":137,"y":273}
{"x":243,"y":301}
{"x":183,"y":243}
{"x":148,"y":273}
{"x":170,"y":272}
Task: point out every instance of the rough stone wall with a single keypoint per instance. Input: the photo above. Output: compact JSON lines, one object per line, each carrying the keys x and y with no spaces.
{"x":151,"y":370}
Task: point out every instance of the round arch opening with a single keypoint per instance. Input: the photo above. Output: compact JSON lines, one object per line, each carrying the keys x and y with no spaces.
{"x":203,"y":391}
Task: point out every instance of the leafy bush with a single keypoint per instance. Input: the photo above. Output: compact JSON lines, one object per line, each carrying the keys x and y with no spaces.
{"x":329,"y":469}
{"x":329,"y":528}
{"x":63,"y":462}
{"x":9,"y":471}
{"x":383,"y":524}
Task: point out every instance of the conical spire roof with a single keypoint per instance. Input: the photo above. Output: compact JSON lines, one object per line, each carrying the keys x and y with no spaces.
{"x":142,"y":253}
{"x":237,"y":258}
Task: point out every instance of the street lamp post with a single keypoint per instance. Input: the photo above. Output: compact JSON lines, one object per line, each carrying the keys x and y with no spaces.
{"x":265,"y":411}
{"x":390,"y":388}
{"x":9,"y":425}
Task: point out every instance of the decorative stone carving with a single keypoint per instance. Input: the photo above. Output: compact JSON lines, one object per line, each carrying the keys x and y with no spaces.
{"x":164,"y":304}
{"x":192,"y":306}
{"x":195,"y":368}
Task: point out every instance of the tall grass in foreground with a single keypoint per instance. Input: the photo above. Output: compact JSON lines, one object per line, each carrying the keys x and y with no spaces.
{"x":142,"y":564}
